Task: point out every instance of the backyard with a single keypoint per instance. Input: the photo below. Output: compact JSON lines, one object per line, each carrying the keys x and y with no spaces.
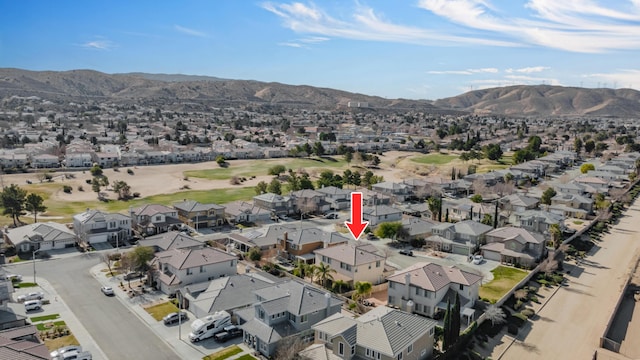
{"x":504,"y":279}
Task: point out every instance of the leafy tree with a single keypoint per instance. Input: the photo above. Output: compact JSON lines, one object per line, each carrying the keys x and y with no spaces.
{"x":277,"y":170}
{"x":261,"y":188}
{"x":140,"y":256}
{"x":547,"y":195}
{"x":534,"y":143}
{"x":586,"y":167}
{"x":305,"y":182}
{"x":589,"y":146}
{"x":477,"y":198}
{"x":254,"y":254}
{"x":577,"y":145}
{"x":318,"y":149}
{"x":96,"y":170}
{"x":393,"y":230}
{"x":275,"y":187}
{"x":13,"y":202}
{"x":34,"y":203}
{"x":493,"y":152}
{"x":123,"y":189}
{"x":220,"y":160}
{"x":455,"y":320}
{"x":324,"y":272}
{"x":348,"y":157}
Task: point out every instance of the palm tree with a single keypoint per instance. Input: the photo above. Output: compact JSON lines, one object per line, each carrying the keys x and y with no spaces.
{"x":362,"y":289}
{"x":324,"y":272}
{"x":338,"y":285}
{"x":312,"y":271}
{"x":301,"y":270}
{"x":435,"y":205}
{"x":556,"y":235}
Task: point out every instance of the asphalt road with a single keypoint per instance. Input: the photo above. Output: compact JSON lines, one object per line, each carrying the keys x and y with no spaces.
{"x":116,"y":329}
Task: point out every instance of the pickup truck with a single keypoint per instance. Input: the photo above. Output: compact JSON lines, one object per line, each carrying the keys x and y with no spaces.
{"x":228,"y":333}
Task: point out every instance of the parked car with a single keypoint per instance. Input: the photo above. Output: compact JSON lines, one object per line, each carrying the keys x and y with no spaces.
{"x":406,"y":252}
{"x":76,"y":355}
{"x":31,"y":296}
{"x":228,"y":333}
{"x":477,"y":259}
{"x":283,"y":217}
{"x":58,"y":352}
{"x":332,"y":216}
{"x":173,"y":317}
{"x":107,"y":290}
{"x":31,"y":305}
{"x":132,"y":275}
{"x":13,"y":277}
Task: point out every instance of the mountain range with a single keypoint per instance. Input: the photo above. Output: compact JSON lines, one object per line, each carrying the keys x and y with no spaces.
{"x":520,"y":100}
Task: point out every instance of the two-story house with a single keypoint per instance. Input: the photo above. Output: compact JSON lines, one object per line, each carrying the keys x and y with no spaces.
{"x":309,"y":201}
{"x":398,"y":191}
{"x":199,"y":215}
{"x":353,"y":262}
{"x":424,"y":288}
{"x":40,"y":236}
{"x":571,"y":205}
{"x":459,"y":238}
{"x":301,"y":244}
{"x":95,"y":226}
{"x":44,"y":161}
{"x":284,"y":310}
{"x":276,"y":204}
{"x":153,"y":219}
{"x":170,"y":240}
{"x":518,"y":202}
{"x":338,"y":198}
{"x":378,"y":214}
{"x":381,"y":334}
{"x":513,"y":245}
{"x":238,"y":212}
{"x":537,"y":220}
{"x":175,"y":268}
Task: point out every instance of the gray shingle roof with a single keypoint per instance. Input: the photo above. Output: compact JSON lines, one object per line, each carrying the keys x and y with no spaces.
{"x":434,"y":277}
{"x":352,"y":253}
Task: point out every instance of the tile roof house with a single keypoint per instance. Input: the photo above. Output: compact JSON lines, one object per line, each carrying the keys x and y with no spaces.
{"x":424,"y":288}
{"x":245,"y":212}
{"x":301,"y":244}
{"x":381,"y":334}
{"x":536,"y":220}
{"x":95,"y":226}
{"x":398,"y":191}
{"x":518,"y":202}
{"x":179,"y":267}
{"x":276,"y":204}
{"x":153,"y":219}
{"x":459,"y":238}
{"x":198,"y":215}
{"x":310,"y":201}
{"x":171,"y":240}
{"x":353,"y":262}
{"x":418,"y":228}
{"x":513,"y":245}
{"x":378,"y":214}
{"x":285,"y":310}
{"x":22,"y":343}
{"x":43,"y":236}
{"x":338,"y":198}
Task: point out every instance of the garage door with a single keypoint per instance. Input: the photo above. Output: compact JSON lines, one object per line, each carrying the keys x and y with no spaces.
{"x":462,"y":250}
{"x":491,"y":255}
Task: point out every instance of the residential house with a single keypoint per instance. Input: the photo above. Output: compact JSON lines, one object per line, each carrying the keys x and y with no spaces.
{"x":40,"y":236}
{"x":459,"y":238}
{"x":153,"y":219}
{"x":309,"y":201}
{"x":95,"y":226}
{"x":513,"y":245}
{"x":353,"y":262}
{"x":78,"y":160}
{"x":418,"y":228}
{"x":381,"y":334}
{"x":301,"y":244}
{"x":45,"y":161}
{"x":338,"y":199}
{"x":572,"y":188}
{"x":22,"y":343}
{"x":424,"y":288}
{"x":199,"y":215}
{"x":105,"y":159}
{"x":517,"y":203}
{"x":378,"y":214}
{"x":229,"y":293}
{"x":537,"y":220}
{"x":285,"y":310}
{"x":465,"y":209}
{"x":397,"y":191}
{"x":276,"y":204}
{"x":238,"y":212}
{"x":171,"y":240}
{"x":13,"y":160}
{"x":571,"y":205}
{"x":372,"y":198}
{"x":176,"y":268}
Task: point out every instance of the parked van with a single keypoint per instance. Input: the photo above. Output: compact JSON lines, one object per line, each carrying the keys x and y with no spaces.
{"x":208,"y":326}
{"x":32,"y":305}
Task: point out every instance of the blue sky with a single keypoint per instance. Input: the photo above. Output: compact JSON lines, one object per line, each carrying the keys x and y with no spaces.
{"x":417,"y":49}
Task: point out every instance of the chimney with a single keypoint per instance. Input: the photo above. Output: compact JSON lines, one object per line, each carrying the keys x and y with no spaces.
{"x":247,"y":269}
{"x":410,"y":306}
{"x":285,"y":237}
{"x":407,"y":282}
{"x":327,"y":298}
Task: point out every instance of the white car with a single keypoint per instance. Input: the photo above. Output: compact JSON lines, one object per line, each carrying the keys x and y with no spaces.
{"x":477,"y":259}
{"x":13,"y":277}
{"x":107,"y":290}
{"x":58,"y":353}
{"x":31,"y":296}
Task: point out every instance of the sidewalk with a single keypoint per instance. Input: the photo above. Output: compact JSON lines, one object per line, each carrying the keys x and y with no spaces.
{"x":176,"y":337}
{"x":58,"y":306}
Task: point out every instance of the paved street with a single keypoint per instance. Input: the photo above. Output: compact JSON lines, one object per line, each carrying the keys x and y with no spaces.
{"x":114,"y":327}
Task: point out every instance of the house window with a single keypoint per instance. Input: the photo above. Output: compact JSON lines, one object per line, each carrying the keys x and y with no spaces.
{"x":189,"y":271}
{"x":345,"y":266}
{"x":418,"y":291}
{"x":202,"y":269}
{"x":399,"y":357}
{"x":341,"y":349}
{"x":391,"y":285}
{"x":461,"y":287}
{"x":431,"y":331}
{"x":410,"y":349}
{"x":392,"y":300}
{"x":378,"y":263}
{"x":303,"y":318}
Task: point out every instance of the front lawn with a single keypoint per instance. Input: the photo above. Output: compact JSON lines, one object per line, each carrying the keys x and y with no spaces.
{"x":24,"y":284}
{"x":57,"y":343}
{"x":49,"y":325}
{"x":223,"y":354}
{"x":44,"y":318}
{"x":504,"y":279}
{"x":161,"y":310}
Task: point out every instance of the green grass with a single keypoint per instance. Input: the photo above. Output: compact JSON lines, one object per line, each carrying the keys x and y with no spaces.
{"x":435,"y":159}
{"x":225,"y":353}
{"x":161,"y":310}
{"x":245,"y":357}
{"x":504,"y":279}
{"x":261,"y":167}
{"x":578,"y":222}
{"x":44,"y":318}
{"x":25,"y":284}
{"x":43,"y":326}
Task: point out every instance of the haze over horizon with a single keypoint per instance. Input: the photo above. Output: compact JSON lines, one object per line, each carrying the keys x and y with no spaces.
{"x":419,"y":49}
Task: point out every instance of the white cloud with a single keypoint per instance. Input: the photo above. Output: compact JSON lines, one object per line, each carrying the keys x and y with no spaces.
{"x":528,"y":70}
{"x":99,"y":44}
{"x":463,"y":72}
{"x":189,"y":31}
{"x":291,"y":44}
{"x":623,"y":78}
{"x":314,"y":39}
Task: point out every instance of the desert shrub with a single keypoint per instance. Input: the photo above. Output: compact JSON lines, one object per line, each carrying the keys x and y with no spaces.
{"x":535,"y":299}
{"x":517,"y":318}
{"x":67,"y":189}
{"x":136,"y":194}
{"x":528,"y":312}
{"x":88,"y":181}
{"x":129,"y":171}
{"x":517,"y":305}
{"x":80,"y":188}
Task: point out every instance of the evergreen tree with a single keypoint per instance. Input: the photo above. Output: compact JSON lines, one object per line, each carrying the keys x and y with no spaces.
{"x":446,"y":338}
{"x":455,"y":320}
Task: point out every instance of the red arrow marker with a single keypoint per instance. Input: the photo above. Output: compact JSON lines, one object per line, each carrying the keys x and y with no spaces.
{"x":356,"y":226}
